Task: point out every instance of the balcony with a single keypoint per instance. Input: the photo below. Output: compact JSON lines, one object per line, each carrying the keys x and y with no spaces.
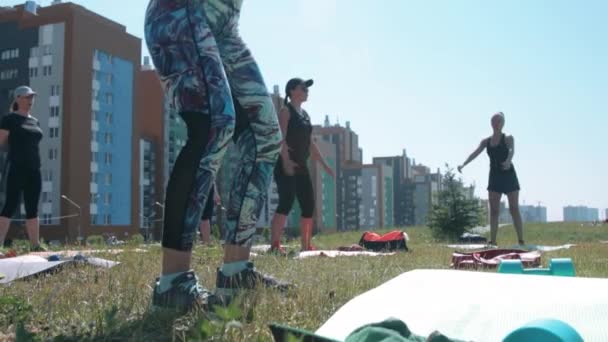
{"x":95,"y":84}
{"x":94,"y":146}
{"x":54,"y":101}
{"x":33,"y":62}
{"x":95,"y":105}
{"x":93,"y":188}
{"x":47,"y":186}
{"x":94,"y":167}
{"x":94,"y":126}
{"x":47,"y":60}
{"x":93,"y":209}
{"x":96,"y":64}
{"x":47,"y":208}
{"x":53,"y":122}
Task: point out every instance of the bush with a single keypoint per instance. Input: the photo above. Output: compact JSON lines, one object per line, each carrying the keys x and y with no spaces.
{"x":96,"y":240}
{"x":453,"y":214}
{"x":137,"y":240}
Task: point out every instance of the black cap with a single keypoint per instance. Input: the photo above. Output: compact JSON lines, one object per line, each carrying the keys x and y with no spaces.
{"x":293,"y":83}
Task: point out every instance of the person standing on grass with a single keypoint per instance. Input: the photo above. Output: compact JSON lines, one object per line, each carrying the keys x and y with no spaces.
{"x":503,"y":178}
{"x":291,"y":172}
{"x":23,"y":134}
{"x":211,"y":79}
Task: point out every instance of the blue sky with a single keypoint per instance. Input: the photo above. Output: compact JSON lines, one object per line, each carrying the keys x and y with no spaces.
{"x":427,"y":75}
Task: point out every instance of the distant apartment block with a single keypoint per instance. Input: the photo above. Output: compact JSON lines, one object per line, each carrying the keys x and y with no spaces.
{"x":580,"y":214}
{"x":87,"y":107}
{"x":533,"y":214}
{"x":368,"y":196}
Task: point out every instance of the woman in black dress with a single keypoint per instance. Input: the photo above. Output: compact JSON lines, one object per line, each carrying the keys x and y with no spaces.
{"x":503,"y":178}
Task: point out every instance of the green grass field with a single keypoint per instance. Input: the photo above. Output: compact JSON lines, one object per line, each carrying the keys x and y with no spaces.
{"x":83,"y":303}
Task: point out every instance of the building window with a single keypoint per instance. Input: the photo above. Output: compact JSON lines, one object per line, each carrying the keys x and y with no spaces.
{"x":94,"y":180}
{"x":47,"y":175}
{"x":108,"y":179}
{"x":107,"y":198}
{"x":95,"y":115}
{"x":54,"y":111}
{"x":93,"y":219}
{"x":55,"y":90}
{"x":54,"y":132}
{"x":93,"y":156}
{"x":47,"y":70}
{"x":9,"y":54}
{"x":9,"y":74}
{"x":108,"y":118}
{"x":109,"y":79}
{"x":46,"y":50}
{"x":34,"y":51}
{"x":53,"y":154}
{"x":34,"y":72}
{"x":107,"y":219}
{"x":109,"y":98}
{"x":108,"y":158}
{"x":108,"y":138}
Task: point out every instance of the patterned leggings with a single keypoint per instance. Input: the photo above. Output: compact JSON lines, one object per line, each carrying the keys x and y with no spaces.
{"x":211,"y":79}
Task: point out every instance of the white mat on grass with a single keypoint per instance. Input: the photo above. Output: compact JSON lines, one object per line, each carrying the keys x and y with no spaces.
{"x":525,"y":247}
{"x":23,"y":266}
{"x":334,"y":253}
{"x":477,"y":306}
{"x":27,"y":265}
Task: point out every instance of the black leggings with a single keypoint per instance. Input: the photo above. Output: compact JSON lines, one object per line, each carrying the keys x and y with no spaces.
{"x":289,"y":187}
{"x":189,"y":185}
{"x":22,"y":181}
{"x":208,"y":212}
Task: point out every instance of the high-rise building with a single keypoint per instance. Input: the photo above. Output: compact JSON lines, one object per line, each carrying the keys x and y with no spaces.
{"x":427,"y":186}
{"x":403,"y":198}
{"x":86,"y":109}
{"x":151,"y":151}
{"x":533,"y":214}
{"x":324,"y":187}
{"x":348,"y":153}
{"x":580,"y":214}
{"x":368,"y":196}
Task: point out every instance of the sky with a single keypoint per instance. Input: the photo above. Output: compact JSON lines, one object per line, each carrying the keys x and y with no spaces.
{"x":426,"y":76}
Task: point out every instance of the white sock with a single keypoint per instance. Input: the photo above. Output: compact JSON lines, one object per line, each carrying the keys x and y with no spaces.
{"x":165,"y":281}
{"x":233,"y":268}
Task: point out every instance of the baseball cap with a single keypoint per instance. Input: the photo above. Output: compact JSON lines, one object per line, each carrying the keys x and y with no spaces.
{"x":294,"y":82}
{"x":23,"y":91}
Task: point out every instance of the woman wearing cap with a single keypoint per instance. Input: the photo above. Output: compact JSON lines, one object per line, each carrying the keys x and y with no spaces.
{"x":503,"y":178}
{"x":291,"y":173}
{"x":23,"y":134}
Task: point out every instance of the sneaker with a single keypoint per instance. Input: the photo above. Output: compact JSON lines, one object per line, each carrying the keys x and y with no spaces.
{"x":248,"y":279}
{"x":184,"y":294}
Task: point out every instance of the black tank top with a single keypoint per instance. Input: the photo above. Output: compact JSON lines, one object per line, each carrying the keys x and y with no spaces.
{"x":498,"y":154}
{"x":23,"y":140}
{"x":299,"y":131}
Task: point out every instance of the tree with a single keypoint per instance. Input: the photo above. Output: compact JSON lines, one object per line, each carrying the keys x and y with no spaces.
{"x":454,"y":213}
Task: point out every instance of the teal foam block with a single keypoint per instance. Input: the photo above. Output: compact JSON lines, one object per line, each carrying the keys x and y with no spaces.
{"x":546,"y":330}
{"x":557,"y":267}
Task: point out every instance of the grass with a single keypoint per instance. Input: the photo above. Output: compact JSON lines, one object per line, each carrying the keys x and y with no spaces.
{"x":82,"y":303}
